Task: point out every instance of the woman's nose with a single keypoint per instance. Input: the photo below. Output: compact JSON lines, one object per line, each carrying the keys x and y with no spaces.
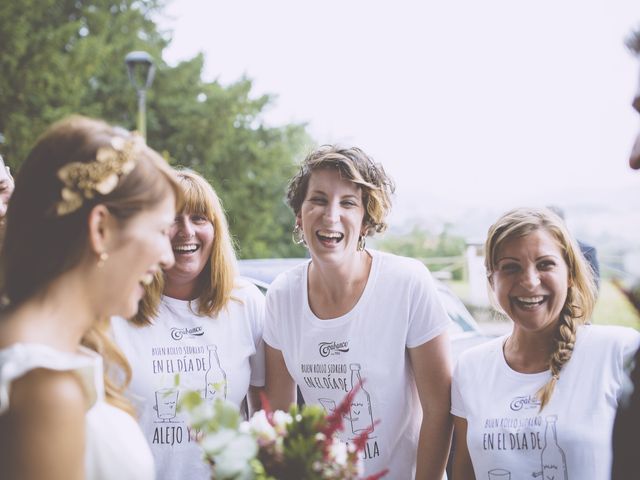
{"x":167,"y":259}
{"x":185,"y":228}
{"x":530,"y":278}
{"x":332,"y":213}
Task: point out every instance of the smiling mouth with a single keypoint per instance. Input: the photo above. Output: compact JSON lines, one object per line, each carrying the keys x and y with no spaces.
{"x":185,"y":249}
{"x":329,"y":237}
{"x":530,"y":303}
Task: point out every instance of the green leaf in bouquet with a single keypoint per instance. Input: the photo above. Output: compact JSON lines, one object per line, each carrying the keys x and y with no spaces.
{"x":189,"y":400}
{"x":227,"y":414}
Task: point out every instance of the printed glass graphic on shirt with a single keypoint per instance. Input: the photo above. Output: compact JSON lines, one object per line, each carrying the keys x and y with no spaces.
{"x":216,"y":377}
{"x":166,"y":402}
{"x":499,"y":474}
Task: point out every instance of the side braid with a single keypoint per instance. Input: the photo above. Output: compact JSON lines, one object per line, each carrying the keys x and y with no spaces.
{"x":565,"y":340}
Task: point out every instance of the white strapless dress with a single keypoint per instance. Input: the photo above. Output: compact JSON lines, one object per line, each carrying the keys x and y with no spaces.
{"x":115,"y":446}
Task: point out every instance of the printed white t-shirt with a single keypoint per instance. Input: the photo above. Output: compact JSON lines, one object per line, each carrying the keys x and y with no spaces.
{"x":510,"y":438}
{"x":218,"y":356}
{"x":398,"y":309}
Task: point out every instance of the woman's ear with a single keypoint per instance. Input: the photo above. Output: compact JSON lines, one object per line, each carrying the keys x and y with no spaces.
{"x":100,"y":226}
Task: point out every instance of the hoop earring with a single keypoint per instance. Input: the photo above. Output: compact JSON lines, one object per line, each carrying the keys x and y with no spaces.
{"x":102,"y":258}
{"x":298,"y":236}
{"x":362,"y":242}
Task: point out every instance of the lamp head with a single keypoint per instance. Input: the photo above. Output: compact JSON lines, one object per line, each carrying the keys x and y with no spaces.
{"x":140,"y":68}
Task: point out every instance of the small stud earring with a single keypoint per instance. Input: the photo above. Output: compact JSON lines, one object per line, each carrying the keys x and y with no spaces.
{"x":102,"y":258}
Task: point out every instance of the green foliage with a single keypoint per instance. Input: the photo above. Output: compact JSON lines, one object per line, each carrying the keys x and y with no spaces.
{"x":218,"y":132}
{"x":423,"y":244}
{"x":613,"y":308}
{"x":59,"y":57}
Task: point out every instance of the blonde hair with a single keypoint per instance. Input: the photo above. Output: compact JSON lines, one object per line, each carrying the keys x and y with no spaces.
{"x":581,"y":293}
{"x":217,"y":280}
{"x":356,"y":166}
{"x":40,"y":245}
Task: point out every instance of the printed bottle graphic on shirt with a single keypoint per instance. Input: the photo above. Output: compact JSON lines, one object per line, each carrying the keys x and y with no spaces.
{"x":554,"y":462}
{"x":215,"y":377}
{"x":360,"y":413}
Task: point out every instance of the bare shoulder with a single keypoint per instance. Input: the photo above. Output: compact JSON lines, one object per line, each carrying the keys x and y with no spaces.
{"x":43,"y":392}
{"x":42,"y":434}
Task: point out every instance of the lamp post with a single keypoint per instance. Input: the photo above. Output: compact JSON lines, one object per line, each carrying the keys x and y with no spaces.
{"x":141,"y":70}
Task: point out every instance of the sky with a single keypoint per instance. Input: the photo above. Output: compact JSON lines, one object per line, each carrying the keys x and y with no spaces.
{"x":473,"y":107}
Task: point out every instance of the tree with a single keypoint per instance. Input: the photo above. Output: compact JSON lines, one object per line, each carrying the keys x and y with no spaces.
{"x":218,"y":131}
{"x":423,"y":244}
{"x":67,"y":56}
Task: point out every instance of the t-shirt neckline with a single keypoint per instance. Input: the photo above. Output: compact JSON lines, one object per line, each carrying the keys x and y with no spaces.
{"x":341,"y":320}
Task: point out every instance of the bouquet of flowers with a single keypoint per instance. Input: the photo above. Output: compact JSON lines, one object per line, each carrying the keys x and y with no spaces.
{"x":299,"y":445}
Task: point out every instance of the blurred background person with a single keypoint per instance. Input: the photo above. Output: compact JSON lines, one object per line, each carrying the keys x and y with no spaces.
{"x":200,"y":322}
{"x":87,"y":227}
{"x":353,"y":314}
{"x":626,"y":454}
{"x":589,"y":251}
{"x":6,"y":188}
{"x":540,"y":401}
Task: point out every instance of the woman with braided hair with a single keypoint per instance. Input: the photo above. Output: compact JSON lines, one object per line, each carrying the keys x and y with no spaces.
{"x":539,"y":402}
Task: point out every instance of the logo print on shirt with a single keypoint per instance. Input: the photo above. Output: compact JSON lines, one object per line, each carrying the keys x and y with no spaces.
{"x":332,"y":348}
{"x":524,"y":402}
{"x":178,"y":333}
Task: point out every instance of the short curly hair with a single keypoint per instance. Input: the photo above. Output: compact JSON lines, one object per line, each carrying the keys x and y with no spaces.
{"x":357,"y":167}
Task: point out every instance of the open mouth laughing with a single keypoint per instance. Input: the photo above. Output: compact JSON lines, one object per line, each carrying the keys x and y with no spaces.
{"x":329,"y":237}
{"x":530,"y":303}
{"x":185,"y":249}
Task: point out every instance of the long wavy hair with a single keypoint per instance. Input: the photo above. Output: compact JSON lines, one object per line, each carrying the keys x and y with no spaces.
{"x":217,"y":279}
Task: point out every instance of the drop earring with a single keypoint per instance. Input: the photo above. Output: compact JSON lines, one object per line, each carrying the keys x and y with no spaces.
{"x":298,"y":235}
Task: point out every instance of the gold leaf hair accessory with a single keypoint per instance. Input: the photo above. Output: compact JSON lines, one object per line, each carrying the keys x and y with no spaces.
{"x":83,"y":180}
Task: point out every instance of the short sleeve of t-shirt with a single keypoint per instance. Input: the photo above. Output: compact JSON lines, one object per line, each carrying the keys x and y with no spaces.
{"x":255,"y":305}
{"x":428,"y":318}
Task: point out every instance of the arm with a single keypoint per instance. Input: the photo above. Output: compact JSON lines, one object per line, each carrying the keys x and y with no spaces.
{"x":462,"y":466}
{"x":432,"y":371}
{"x":254,"y":402}
{"x":280,"y":387}
{"x":43,"y":433}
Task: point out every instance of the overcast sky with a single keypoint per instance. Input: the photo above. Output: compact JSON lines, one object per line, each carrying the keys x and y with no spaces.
{"x":468,"y":104}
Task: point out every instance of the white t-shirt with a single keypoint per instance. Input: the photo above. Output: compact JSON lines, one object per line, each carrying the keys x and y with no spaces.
{"x":115,"y":448}
{"x":218,"y":356}
{"x":398,"y":309}
{"x":571,"y":437}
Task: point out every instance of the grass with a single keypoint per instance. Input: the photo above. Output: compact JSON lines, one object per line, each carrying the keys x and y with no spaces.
{"x":612,"y":307}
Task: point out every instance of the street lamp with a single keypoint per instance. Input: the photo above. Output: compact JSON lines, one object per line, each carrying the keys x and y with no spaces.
{"x":141,"y":69}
